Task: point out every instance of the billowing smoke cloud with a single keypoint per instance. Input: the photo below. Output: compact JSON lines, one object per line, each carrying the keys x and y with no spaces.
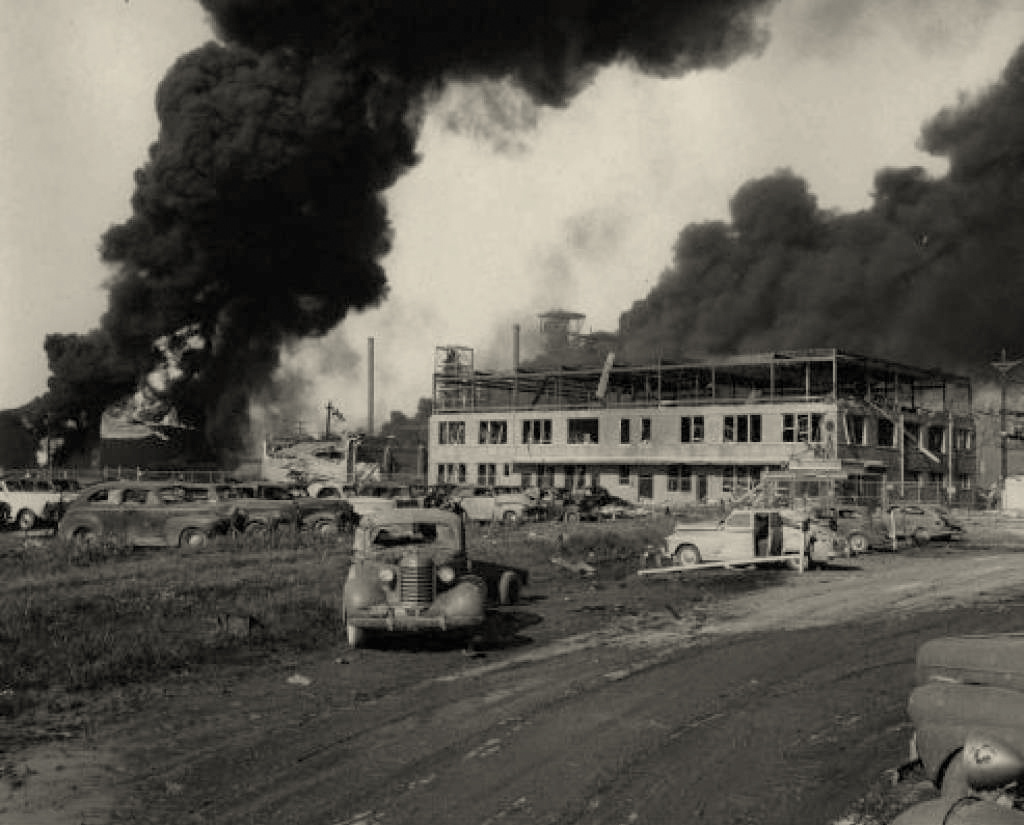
{"x":932,"y":273}
{"x":258,"y":218}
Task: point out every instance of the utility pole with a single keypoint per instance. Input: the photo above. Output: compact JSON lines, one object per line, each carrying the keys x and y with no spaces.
{"x":1004,"y":368}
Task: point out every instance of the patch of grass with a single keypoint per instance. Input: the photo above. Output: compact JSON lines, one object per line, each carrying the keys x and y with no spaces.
{"x":83,"y":620}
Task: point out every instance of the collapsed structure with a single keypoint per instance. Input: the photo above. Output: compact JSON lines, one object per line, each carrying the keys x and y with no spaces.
{"x":675,"y":433}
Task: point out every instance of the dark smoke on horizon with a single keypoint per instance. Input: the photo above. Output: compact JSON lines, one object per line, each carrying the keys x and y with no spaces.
{"x":932,"y":273}
{"x":259,"y":217}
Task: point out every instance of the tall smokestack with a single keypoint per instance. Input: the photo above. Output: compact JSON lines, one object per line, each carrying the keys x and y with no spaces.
{"x":515,"y":365}
{"x":369,"y":386}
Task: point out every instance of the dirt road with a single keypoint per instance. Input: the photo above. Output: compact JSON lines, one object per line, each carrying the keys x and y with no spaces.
{"x":780,"y":699}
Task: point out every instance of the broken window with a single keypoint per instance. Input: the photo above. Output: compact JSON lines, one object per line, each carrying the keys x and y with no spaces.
{"x":582,"y":430}
{"x":537,"y":431}
{"x":451,"y":432}
{"x":691,"y":428}
{"x":493,"y":432}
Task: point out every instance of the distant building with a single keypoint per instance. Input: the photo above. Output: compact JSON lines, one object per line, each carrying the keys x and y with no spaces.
{"x":677,"y":433}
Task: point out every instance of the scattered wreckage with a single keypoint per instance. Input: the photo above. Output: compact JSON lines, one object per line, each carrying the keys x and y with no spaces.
{"x":968,"y":715}
{"x":748,"y":537}
{"x":410,"y":572}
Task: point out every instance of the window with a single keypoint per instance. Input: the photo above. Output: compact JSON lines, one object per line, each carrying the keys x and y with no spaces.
{"x":679,"y":479}
{"x":486,"y":474}
{"x":886,"y":433}
{"x":801,"y":427}
{"x":937,"y":439}
{"x":506,"y":470}
{"x":965,"y":481}
{"x":624,"y":475}
{"x":740,"y":479}
{"x":645,"y":429}
{"x":451,"y":432}
{"x":494,"y":432}
{"x":741,"y":428}
{"x":624,"y":431}
{"x":451,"y":473}
{"x":691,"y":428}
{"x":963,"y":439}
{"x":582,"y":431}
{"x":912,"y":432}
{"x":537,"y":431}
{"x":856,"y":429}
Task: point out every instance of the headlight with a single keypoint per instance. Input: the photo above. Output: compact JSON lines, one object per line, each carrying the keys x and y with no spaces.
{"x":446,"y":574}
{"x":386,"y":575}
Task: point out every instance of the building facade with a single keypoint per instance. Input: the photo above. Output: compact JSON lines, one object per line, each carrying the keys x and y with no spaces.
{"x":678,"y":433}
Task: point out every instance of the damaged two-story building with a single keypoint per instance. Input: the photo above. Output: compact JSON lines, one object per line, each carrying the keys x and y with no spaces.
{"x":704,"y":430}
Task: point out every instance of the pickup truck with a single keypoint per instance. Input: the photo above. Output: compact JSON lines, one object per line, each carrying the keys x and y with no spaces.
{"x":24,"y":502}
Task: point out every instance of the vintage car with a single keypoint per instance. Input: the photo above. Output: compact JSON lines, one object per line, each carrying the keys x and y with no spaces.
{"x":410,"y":572}
{"x":491,"y":504}
{"x":149,"y":514}
{"x":920,"y":523}
{"x":266,"y":507}
{"x":752,"y":535}
{"x":861,"y":528}
{"x":25,"y":502}
{"x":552,"y":504}
{"x":967,"y":709}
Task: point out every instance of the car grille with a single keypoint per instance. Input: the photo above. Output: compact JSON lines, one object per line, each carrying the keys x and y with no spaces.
{"x":417,"y":580}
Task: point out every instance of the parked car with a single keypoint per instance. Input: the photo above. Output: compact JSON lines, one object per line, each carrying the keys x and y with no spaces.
{"x":861,"y":528}
{"x":265,"y":507}
{"x":490,"y":504}
{"x":601,"y":504}
{"x":920,"y":523}
{"x":26,"y":502}
{"x":749,"y":535}
{"x":967,"y":709}
{"x":149,"y":514}
{"x":410,"y":572}
{"x":552,"y":504}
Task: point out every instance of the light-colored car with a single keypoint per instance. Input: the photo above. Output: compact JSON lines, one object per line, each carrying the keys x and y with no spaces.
{"x":410,"y":572}
{"x":26,"y":502}
{"x":747,"y":535}
{"x":149,"y":514}
{"x":490,"y":504}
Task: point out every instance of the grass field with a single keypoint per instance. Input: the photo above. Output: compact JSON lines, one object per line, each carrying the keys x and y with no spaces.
{"x":73,"y":619}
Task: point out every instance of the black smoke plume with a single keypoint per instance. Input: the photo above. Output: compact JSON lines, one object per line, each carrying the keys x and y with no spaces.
{"x":258,"y":218}
{"x":932,"y":273}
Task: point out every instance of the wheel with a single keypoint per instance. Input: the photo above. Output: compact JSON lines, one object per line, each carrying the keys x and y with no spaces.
{"x":921,"y":537}
{"x":508,"y":588}
{"x":191,"y":537}
{"x":954,"y":783}
{"x":26,"y":520}
{"x":85,"y":537}
{"x":858,"y":543}
{"x":509,"y":517}
{"x":687,"y":554}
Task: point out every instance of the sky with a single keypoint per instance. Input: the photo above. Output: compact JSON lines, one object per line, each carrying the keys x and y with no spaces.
{"x":513,"y":209}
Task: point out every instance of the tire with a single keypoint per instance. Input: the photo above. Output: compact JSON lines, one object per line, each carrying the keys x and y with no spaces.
{"x":508,"y":588}
{"x":954,"y":783}
{"x":193,"y":538}
{"x":510,"y":517}
{"x":26,"y":520}
{"x":921,"y":538}
{"x":85,"y":537}
{"x":688,"y":554}
{"x":858,"y":543}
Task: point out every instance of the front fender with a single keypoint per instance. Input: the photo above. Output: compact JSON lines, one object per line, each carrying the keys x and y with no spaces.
{"x":466,"y":600}
{"x":362,"y":590}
